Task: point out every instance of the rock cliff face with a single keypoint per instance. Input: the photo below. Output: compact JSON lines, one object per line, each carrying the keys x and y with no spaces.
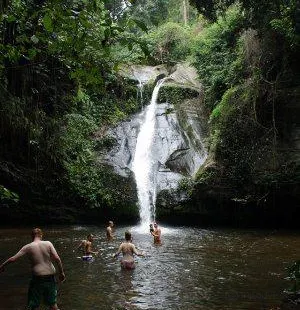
{"x":178,"y":150}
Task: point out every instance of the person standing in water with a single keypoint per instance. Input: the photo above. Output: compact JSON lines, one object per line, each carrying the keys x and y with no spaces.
{"x":109,"y":231}
{"x":128,"y":249}
{"x":41,"y":254}
{"x":156,"y":233}
{"x":86,"y":246}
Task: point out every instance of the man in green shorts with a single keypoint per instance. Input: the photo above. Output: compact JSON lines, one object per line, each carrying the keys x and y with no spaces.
{"x":42,"y":285}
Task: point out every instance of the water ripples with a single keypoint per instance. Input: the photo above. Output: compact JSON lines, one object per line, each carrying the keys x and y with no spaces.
{"x":192,"y":269}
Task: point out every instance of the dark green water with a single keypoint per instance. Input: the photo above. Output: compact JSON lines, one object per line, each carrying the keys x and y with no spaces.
{"x":193,"y":269}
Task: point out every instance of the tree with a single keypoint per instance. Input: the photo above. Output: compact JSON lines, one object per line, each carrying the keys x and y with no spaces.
{"x":56,"y":73}
{"x":211,"y":8}
{"x":185,"y":9}
{"x":151,"y":12}
{"x":116,"y":8}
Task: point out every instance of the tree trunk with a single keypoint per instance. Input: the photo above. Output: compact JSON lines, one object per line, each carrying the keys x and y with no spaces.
{"x":3,"y":5}
{"x":185,"y":5}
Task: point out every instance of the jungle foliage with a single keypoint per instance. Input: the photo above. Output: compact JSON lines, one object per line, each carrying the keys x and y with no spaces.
{"x":60,"y":91}
{"x":248,"y":60}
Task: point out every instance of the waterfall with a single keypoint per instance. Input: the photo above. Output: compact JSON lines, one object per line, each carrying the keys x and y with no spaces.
{"x":142,"y":78}
{"x":140,"y":92}
{"x":144,"y":165}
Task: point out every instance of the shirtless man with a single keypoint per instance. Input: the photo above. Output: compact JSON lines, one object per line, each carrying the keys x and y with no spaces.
{"x":86,"y":246}
{"x":109,"y":231}
{"x":156,"y":233}
{"x":42,"y":285}
{"x":127,"y":248}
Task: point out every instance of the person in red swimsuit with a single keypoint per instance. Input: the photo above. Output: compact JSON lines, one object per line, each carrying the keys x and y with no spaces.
{"x":128,"y":249}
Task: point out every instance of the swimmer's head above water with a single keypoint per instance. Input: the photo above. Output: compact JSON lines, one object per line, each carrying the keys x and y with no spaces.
{"x":90,"y":237}
{"x":110,"y":223}
{"x":36,"y":232}
{"x":128,"y":236}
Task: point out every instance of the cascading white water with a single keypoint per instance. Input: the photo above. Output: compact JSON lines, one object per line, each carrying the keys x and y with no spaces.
{"x":143,"y":164}
{"x":140,"y":92}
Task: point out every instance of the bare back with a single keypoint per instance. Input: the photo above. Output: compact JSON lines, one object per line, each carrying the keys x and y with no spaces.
{"x":109,"y":233}
{"x":40,"y":254}
{"x":128,"y":249}
{"x":157,"y":235}
{"x":87,"y":247}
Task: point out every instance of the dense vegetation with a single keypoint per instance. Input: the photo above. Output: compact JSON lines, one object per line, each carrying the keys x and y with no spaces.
{"x":249,"y":62}
{"x":60,"y":91}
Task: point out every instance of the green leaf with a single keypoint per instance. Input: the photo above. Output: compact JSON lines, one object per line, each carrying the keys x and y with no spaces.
{"x":145,"y":49}
{"x":7,"y":195}
{"x":47,"y":21}
{"x":141,"y":25}
{"x":83,"y":20}
{"x":11,"y":18}
{"x":32,"y":53}
{"x":117,"y":28}
{"x":107,"y":33}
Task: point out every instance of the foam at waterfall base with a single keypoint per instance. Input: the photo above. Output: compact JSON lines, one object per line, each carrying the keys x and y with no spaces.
{"x":144,"y":229}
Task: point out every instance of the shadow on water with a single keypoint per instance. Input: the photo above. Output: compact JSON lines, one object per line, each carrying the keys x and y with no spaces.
{"x":193,"y":269}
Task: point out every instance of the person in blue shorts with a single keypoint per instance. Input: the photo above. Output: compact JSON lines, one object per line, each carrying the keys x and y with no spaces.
{"x":42,"y":286}
{"x":86,"y":246}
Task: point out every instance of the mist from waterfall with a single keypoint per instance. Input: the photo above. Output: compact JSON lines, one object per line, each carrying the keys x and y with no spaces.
{"x":144,"y":165}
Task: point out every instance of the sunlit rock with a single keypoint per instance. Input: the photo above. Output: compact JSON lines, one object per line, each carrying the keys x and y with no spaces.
{"x":177,"y":149}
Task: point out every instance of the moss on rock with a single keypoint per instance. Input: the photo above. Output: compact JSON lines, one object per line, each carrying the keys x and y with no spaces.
{"x":175,"y":95}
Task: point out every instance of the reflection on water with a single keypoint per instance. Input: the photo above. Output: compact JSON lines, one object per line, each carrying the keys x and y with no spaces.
{"x":192,"y":269}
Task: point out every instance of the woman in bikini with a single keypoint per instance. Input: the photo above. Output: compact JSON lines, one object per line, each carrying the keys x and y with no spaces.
{"x":127,"y":248}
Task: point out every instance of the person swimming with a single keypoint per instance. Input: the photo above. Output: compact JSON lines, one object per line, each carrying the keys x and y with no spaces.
{"x":86,"y":246}
{"x":128,"y":249}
